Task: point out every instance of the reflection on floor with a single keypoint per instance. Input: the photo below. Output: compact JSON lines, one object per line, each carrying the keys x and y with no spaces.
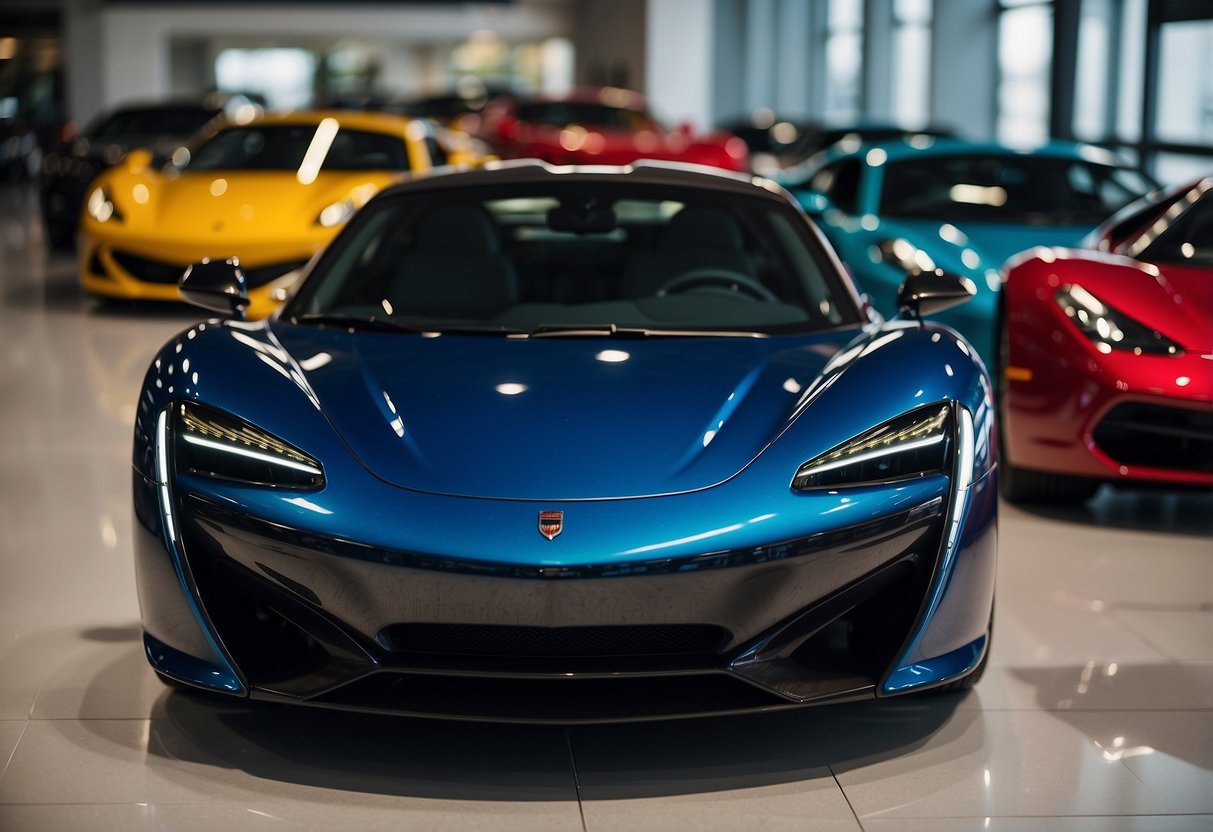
{"x":1096,"y":713}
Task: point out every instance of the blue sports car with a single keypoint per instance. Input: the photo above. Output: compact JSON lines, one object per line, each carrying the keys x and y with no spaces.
{"x":928,"y":203}
{"x":564,"y":444}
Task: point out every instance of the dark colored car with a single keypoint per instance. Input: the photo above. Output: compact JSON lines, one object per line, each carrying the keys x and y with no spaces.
{"x":161,"y":127}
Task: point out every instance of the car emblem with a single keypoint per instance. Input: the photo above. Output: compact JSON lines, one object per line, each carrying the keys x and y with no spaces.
{"x":551,"y":523}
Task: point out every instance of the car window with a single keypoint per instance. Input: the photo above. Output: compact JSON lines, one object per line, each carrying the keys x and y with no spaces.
{"x":583,"y":254}
{"x":154,"y":121}
{"x":840,"y":182}
{"x":1000,"y":188}
{"x":1183,"y":234}
{"x":564,"y":113}
{"x":285,"y":146}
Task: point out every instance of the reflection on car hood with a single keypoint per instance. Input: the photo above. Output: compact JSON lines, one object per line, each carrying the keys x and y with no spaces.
{"x":996,"y":242}
{"x":556,"y":419}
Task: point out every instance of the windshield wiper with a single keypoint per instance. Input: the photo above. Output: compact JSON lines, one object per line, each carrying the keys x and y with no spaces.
{"x":613,"y":331}
{"x":355,"y":322}
{"x":374,"y":324}
{"x":588,"y":331}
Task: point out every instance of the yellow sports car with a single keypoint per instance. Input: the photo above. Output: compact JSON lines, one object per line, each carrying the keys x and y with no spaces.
{"x":271,"y":192}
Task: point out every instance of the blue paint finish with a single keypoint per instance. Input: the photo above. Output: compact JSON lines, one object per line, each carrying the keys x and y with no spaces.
{"x":193,"y":671}
{"x":423,"y":454}
{"x":930,"y":672}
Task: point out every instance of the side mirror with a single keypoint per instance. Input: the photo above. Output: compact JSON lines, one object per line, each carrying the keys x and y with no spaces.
{"x":138,"y":160}
{"x":217,"y":285}
{"x":926,"y":293}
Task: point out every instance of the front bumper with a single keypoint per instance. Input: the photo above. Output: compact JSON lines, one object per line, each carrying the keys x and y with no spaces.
{"x":129,"y":270}
{"x":291,"y":614}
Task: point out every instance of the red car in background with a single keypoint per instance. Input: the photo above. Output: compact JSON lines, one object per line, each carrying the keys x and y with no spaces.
{"x":1107,"y":355}
{"x":607,"y":126}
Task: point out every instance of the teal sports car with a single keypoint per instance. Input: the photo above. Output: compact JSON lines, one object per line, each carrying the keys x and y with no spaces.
{"x":934,"y":203}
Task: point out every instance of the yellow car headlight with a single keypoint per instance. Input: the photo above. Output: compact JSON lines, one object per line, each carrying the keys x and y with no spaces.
{"x":101,"y":207}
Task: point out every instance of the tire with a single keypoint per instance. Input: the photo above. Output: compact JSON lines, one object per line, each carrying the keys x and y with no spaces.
{"x":1019,"y":485}
{"x":60,"y":236}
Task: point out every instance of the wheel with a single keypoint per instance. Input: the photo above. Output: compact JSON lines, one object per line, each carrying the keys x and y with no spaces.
{"x":732,"y":282}
{"x":1022,"y":485}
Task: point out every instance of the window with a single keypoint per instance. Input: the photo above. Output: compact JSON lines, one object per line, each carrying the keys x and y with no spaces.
{"x":911,"y":62}
{"x":844,"y":58}
{"x":1025,"y":44}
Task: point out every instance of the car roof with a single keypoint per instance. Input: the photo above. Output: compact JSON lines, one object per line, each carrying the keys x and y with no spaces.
{"x":350,"y":119}
{"x":642,"y":173}
{"x":926,"y":146}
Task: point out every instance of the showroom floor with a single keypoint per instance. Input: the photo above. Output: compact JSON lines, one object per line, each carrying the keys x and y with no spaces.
{"x":1096,"y":712}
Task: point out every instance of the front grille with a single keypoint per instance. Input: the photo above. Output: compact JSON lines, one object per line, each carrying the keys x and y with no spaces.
{"x":157,"y":271}
{"x":149,"y":271}
{"x":1157,"y":436}
{"x":263,"y":275}
{"x":545,"y":642}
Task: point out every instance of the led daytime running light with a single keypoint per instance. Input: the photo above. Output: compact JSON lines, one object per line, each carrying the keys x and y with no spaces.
{"x":911,"y":445}
{"x":235,"y":449}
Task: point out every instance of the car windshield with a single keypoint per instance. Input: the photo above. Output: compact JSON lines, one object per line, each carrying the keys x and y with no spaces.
{"x":564,"y":113}
{"x":585,"y":258}
{"x":323,"y":146}
{"x":1183,"y":235}
{"x":154,"y":121}
{"x":1010,"y":189}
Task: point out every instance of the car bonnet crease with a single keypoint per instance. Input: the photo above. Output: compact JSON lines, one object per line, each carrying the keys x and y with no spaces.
{"x":558,"y":419}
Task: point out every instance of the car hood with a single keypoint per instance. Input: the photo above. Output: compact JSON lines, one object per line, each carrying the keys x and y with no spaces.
{"x":230,"y":205}
{"x":556,"y":418}
{"x":1173,"y":298}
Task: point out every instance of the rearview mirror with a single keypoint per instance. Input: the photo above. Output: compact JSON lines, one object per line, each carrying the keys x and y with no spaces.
{"x":926,"y":293}
{"x":217,"y":285}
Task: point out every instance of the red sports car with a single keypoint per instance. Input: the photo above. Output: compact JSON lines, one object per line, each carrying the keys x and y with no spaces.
{"x":1107,"y":355}
{"x":606,"y":126}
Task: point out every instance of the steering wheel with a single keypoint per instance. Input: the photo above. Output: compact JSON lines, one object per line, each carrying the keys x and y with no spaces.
{"x":726,"y":281}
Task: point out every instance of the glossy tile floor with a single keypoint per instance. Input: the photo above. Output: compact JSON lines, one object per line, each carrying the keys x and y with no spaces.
{"x":1096,"y":713}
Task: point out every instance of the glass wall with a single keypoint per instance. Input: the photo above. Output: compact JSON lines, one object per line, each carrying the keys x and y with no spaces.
{"x":1025,"y":48}
{"x":844,"y":58}
{"x":911,"y":81}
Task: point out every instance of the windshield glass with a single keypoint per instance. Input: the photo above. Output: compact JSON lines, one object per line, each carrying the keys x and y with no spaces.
{"x":564,"y":113}
{"x":586,"y":255}
{"x":155,"y":121}
{"x":323,"y":146}
{"x":1183,"y":235}
{"x":1011,"y":189}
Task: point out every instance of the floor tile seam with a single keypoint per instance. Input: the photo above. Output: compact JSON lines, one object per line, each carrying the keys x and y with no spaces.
{"x":568,"y":743}
{"x":1143,"y":638}
{"x":12,"y":754}
{"x":1109,"y":710}
{"x":1002,"y":816}
{"x":845,"y":796}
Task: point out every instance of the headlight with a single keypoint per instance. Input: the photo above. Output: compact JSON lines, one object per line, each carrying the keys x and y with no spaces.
{"x":911,"y":446}
{"x":1110,"y":329}
{"x":101,"y":206}
{"x":903,"y":254}
{"x":220,"y":445}
{"x":336,"y":213}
